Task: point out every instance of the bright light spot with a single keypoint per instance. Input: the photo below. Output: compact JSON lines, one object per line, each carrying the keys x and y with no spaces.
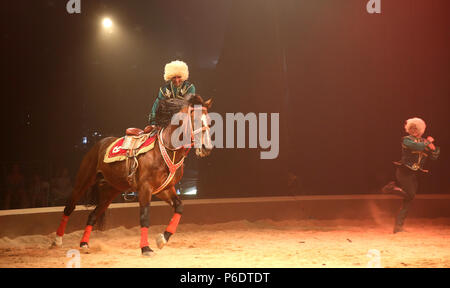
{"x":191,"y":191}
{"x":107,"y":23}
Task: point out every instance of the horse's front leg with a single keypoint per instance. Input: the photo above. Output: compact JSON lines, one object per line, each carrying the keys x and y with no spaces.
{"x":177,"y":205}
{"x":144,"y":218}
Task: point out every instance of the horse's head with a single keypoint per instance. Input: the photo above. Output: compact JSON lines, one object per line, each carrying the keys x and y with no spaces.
{"x":189,"y":122}
{"x":197,"y":110}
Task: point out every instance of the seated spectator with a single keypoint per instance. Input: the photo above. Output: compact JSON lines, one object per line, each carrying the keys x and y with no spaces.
{"x":16,"y":197}
{"x":39,"y":192}
{"x":61,"y":188}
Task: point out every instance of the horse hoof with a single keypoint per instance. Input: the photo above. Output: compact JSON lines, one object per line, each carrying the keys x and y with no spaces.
{"x":84,"y":247}
{"x":57,"y":243}
{"x":147,"y":252}
{"x":398,"y":229}
{"x":160,"y":241}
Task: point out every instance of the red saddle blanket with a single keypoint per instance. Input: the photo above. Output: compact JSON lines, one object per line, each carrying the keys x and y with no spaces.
{"x":116,"y":153}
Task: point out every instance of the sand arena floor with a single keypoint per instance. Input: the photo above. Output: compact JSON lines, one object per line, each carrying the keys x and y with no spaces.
{"x":265,"y":243}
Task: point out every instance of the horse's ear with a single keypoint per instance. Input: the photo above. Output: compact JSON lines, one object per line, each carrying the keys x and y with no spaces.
{"x":208,"y":103}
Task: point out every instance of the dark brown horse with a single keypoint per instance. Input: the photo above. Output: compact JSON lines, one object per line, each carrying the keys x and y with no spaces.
{"x":158,"y":171}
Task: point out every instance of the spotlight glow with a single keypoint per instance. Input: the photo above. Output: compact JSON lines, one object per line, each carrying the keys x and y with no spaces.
{"x":107,"y":23}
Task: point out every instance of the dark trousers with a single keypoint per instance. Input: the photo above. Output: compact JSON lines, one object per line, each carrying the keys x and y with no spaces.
{"x":407,"y":180}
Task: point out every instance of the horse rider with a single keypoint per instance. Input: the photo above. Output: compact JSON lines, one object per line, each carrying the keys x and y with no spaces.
{"x":176,"y":74}
{"x":415,"y":150}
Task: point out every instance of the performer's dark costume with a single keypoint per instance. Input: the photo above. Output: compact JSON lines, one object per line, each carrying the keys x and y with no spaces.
{"x":170,"y":91}
{"x":414,"y":152}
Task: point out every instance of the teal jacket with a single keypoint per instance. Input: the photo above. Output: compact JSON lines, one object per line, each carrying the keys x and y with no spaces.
{"x":415,"y":151}
{"x":170,"y":91}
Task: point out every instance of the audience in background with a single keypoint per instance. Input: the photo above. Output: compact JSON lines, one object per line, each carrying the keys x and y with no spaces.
{"x":25,"y":186}
{"x":39,"y":192}
{"x":61,"y":188}
{"x":15,"y":196}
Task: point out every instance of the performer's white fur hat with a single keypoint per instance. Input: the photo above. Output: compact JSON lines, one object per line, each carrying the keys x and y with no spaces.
{"x":417,"y":123}
{"x":176,"y":68}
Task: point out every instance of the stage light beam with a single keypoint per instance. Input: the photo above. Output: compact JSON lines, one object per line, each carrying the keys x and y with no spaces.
{"x":107,"y":23}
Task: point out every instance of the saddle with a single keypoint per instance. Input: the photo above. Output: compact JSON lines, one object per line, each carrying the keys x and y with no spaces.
{"x":133,"y":140}
{"x":139,"y":132}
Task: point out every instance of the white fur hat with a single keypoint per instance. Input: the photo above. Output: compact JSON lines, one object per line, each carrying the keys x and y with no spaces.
{"x":176,"y":68}
{"x":417,"y":123}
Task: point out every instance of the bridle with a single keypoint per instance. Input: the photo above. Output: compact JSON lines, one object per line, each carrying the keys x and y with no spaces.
{"x":173,"y":167}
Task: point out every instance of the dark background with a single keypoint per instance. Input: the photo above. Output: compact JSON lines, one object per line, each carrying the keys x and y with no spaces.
{"x":343,"y":80}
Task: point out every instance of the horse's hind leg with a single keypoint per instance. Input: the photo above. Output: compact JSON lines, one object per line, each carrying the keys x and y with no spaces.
{"x":85,"y":179}
{"x":177,"y":205}
{"x":106,"y":195}
{"x":70,"y":207}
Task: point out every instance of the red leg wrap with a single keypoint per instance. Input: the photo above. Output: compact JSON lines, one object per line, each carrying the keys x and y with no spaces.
{"x":144,"y":236}
{"x":173,"y":223}
{"x":62,"y":226}
{"x":87,"y":233}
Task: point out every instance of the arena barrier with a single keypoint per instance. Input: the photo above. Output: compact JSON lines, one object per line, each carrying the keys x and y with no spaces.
{"x":43,"y":221}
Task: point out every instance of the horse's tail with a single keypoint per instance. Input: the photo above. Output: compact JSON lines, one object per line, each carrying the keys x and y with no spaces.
{"x":95,"y":196}
{"x":99,"y":188}
{"x":92,"y":196}
{"x":85,"y":178}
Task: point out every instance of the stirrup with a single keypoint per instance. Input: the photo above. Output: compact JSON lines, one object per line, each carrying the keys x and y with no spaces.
{"x":126,"y":196}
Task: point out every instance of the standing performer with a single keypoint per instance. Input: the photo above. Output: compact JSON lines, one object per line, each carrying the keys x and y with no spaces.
{"x":415,"y":150}
{"x":176,"y":74}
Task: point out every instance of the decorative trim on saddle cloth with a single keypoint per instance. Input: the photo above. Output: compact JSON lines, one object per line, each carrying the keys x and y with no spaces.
{"x":115,"y":152}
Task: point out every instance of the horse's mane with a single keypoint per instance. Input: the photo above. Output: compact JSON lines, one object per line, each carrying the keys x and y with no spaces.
{"x":170,"y":106}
